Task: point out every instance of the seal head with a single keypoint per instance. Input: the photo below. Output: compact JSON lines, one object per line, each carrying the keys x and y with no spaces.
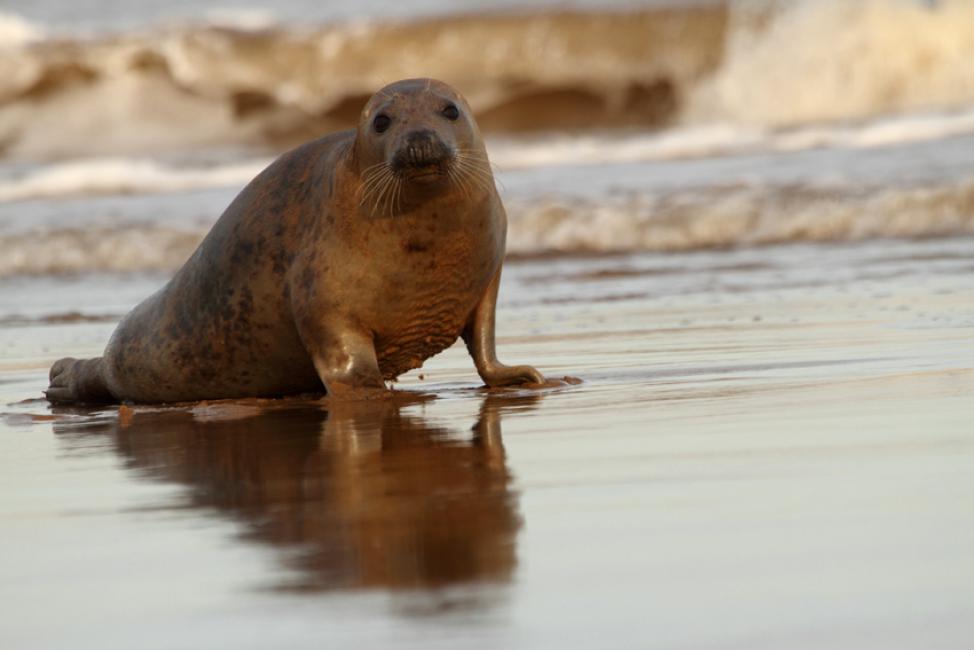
{"x":415,"y":138}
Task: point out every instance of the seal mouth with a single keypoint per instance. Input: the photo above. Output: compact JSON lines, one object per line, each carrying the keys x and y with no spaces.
{"x":425,"y":173}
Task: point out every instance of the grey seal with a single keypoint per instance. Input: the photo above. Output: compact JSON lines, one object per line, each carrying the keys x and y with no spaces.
{"x":347,"y":262}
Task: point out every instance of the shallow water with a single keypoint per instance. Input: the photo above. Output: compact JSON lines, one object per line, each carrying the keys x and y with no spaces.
{"x":771,"y":447}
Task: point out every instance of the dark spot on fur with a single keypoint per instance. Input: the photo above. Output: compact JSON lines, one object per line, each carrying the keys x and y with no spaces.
{"x":243,"y":252}
{"x":246,"y":299}
{"x":278,"y":260}
{"x":307,"y":279}
{"x":226,"y":309}
{"x":413,"y":246}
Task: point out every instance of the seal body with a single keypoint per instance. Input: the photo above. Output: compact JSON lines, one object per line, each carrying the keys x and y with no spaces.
{"x":347,"y":262}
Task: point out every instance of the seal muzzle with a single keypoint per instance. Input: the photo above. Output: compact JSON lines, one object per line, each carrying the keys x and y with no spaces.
{"x":423,"y":152}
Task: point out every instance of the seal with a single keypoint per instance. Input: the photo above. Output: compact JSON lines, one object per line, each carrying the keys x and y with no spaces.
{"x":347,"y":262}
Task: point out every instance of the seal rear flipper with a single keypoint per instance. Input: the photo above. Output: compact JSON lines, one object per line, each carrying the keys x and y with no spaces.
{"x":77,"y":380}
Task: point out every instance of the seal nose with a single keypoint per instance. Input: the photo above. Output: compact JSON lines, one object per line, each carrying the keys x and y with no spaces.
{"x":421,"y":148}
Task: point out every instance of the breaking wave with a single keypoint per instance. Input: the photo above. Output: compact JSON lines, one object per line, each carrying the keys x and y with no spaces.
{"x":209,"y":85}
{"x":767,"y":64}
{"x":123,"y":176}
{"x":793,"y":62}
{"x":721,"y":217}
{"x":119,"y":175}
{"x":677,"y":220}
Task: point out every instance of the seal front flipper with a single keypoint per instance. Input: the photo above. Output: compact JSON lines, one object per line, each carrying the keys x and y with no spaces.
{"x":479,"y":337}
{"x":345,"y":360}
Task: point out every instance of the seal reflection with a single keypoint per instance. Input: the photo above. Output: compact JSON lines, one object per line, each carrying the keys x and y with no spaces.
{"x":365,"y":495}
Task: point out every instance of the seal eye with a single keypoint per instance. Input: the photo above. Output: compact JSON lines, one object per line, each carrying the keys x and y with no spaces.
{"x":451,"y":112}
{"x":381,"y":123}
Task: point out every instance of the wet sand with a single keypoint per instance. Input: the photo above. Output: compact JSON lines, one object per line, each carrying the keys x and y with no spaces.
{"x":771,"y":448}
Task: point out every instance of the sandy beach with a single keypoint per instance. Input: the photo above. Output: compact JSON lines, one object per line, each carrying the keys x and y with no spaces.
{"x":747,"y":228}
{"x":779,"y":430}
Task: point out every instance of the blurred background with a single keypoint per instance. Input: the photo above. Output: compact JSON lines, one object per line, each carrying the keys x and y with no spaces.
{"x":126,"y":127}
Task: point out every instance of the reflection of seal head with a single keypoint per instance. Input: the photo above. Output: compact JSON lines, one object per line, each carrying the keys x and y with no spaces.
{"x":348,"y":261}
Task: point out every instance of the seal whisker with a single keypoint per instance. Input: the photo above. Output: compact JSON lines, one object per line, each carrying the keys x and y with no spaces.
{"x":479,"y":157}
{"x":370,"y":174}
{"x":449,"y":175}
{"x":399,"y":185}
{"x":465,"y":181}
{"x":373,"y":176}
{"x":371,"y":187}
{"x":482,"y":172}
{"x":452,"y":174}
{"x":375,"y":180}
{"x":375,"y":170}
{"x":388,"y":193}
{"x":474,"y":159}
{"x":368,"y":187}
{"x":474,"y":165}
{"x":394,"y":197}
{"x":474,"y":154}
{"x":475,"y":172}
{"x":458,"y":182}
{"x":385,"y":186}
{"x":376,"y":188}
{"x":371,"y":168}
{"x":396,"y":187}
{"x":388,"y":184}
